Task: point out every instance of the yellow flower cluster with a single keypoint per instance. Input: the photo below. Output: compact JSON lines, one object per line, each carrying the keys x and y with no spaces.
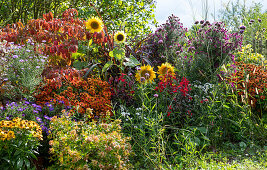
{"x":147,"y":74}
{"x":17,"y":123}
{"x":247,"y":55}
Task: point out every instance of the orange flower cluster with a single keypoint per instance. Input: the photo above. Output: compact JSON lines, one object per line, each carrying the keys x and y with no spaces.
{"x":69,"y":87}
{"x":251,"y":82}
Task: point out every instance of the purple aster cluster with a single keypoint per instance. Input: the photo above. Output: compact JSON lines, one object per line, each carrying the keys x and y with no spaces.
{"x":167,"y":42}
{"x":216,"y":42}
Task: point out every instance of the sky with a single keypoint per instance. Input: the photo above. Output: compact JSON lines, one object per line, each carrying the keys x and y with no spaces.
{"x":187,"y":10}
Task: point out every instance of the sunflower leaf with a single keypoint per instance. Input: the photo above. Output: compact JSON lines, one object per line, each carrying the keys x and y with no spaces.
{"x":131,"y":62}
{"x":119,"y":54}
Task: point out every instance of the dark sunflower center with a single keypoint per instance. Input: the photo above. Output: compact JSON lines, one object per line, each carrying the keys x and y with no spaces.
{"x":164,"y":70}
{"x":120,"y":37}
{"x":95,"y":25}
{"x":143,"y":74}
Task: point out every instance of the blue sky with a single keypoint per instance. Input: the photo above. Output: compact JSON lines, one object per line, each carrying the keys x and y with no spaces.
{"x":186,"y":12}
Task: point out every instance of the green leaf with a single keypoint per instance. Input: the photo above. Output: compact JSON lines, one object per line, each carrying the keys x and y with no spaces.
{"x":202,"y":129}
{"x":79,"y":65}
{"x":19,"y":163}
{"x":77,"y":55}
{"x":107,"y":66}
{"x":17,"y":152}
{"x":90,"y":69}
{"x":27,"y":163}
{"x":119,"y":54}
{"x":131,"y":62}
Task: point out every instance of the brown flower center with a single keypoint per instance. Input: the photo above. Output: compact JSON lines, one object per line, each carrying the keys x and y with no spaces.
{"x":120,"y":37}
{"x":95,"y":25}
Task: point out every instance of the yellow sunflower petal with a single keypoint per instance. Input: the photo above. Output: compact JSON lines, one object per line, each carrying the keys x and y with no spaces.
{"x":145,"y":74}
{"x":119,"y":37}
{"x":165,"y":68}
{"x":94,"y":24}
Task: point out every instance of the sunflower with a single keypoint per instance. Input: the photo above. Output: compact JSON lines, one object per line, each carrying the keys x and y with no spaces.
{"x":165,"y":68}
{"x":94,"y":24}
{"x":145,"y":74}
{"x":119,"y":37}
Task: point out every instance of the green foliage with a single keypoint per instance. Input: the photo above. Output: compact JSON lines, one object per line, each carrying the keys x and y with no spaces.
{"x":132,"y":16}
{"x":15,"y":10}
{"x":248,"y":56}
{"x":88,"y":144}
{"x":254,"y":18}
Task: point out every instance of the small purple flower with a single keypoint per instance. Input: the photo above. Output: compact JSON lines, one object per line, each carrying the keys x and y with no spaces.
{"x":61,"y":102}
{"x":23,"y":115}
{"x":160,"y":41}
{"x":37,"y":67}
{"x":142,"y":79}
{"x":43,"y":41}
{"x":35,"y":111}
{"x":50,"y":109}
{"x":242,"y":27}
{"x":241,"y":31}
{"x":28,"y":51}
{"x":39,"y":119}
{"x":47,"y":117}
{"x":5,"y":79}
{"x":130,"y":74}
{"x":252,"y":20}
{"x":21,"y":61}
{"x":15,"y":56}
{"x":202,"y":21}
{"x":147,"y":74}
{"x":196,"y":22}
{"x":259,"y":20}
{"x":20,"y":109}
{"x":156,"y":95}
{"x":138,"y":68}
{"x":34,"y":105}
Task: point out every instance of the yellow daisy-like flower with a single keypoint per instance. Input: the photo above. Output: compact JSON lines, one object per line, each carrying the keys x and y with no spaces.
{"x":145,"y":74}
{"x":165,"y":68}
{"x":120,"y":37}
{"x":94,"y":24}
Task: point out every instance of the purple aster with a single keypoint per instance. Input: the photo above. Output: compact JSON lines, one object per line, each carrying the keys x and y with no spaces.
{"x":21,"y":61}
{"x":20,"y":109}
{"x":242,"y":27}
{"x":160,"y":41}
{"x":61,"y":102}
{"x":47,"y":117}
{"x":15,"y":56}
{"x":39,"y":119}
{"x":35,"y":111}
{"x":26,"y":102}
{"x":37,"y":67}
{"x":50,"y":109}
